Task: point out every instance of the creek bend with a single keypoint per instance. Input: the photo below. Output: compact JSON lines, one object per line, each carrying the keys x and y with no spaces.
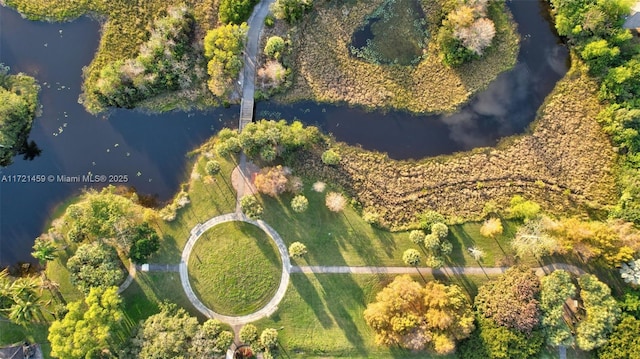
{"x":150,"y":149}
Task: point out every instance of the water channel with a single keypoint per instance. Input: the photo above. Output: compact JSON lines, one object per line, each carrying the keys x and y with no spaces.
{"x":150,"y":149}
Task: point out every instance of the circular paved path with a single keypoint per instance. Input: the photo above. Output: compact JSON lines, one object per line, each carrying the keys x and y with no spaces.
{"x":265,"y":311}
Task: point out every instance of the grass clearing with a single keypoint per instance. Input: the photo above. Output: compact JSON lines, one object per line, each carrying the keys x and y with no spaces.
{"x":235,"y":268}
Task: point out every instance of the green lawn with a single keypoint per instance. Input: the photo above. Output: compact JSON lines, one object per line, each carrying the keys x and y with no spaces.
{"x":235,"y":268}
{"x":346,"y":239}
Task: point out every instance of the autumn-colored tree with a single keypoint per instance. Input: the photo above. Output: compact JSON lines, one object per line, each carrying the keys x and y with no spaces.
{"x":491,"y":228}
{"x":417,"y":318}
{"x":335,"y":201}
{"x":223,"y":47}
{"x":533,"y":239}
{"x":511,"y":300}
{"x":271,"y":181}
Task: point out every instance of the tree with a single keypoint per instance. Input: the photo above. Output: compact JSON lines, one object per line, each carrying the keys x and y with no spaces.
{"x":491,"y":228}
{"x":478,"y":36}
{"x":271,"y":181}
{"x":411,"y":257}
{"x":440,"y":230}
{"x":417,"y":236}
{"x":274,"y":47}
{"x":523,"y":209}
{"x":251,"y":207}
{"x":299,"y":203}
{"x":533,"y":239}
{"x":269,"y":338}
{"x":297,"y":250}
{"x":145,"y":242}
{"x":335,"y":201}
{"x":624,"y":341}
{"x":223,"y":47}
{"x":417,"y":318}
{"x":556,"y":289}
{"x":95,"y":265}
{"x":492,"y":341}
{"x":44,"y":250}
{"x":331,"y":157}
{"x":476,"y":253}
{"x":630,"y":272}
{"x":428,"y":218}
{"x":210,"y":341}
{"x":19,"y":301}
{"x":291,"y":10}
{"x":88,"y":326}
{"x":212,"y":167}
{"x":235,"y":11}
{"x":248,"y":334}
{"x":511,"y":300}
{"x":601,"y":313}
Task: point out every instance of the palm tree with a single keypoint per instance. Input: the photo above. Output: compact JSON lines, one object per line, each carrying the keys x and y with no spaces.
{"x":23,"y":312}
{"x":44,"y":250}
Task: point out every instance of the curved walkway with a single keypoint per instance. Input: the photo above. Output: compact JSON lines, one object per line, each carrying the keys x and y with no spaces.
{"x":270,"y":307}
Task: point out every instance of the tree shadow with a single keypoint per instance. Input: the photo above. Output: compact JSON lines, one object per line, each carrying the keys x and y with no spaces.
{"x":311,"y":297}
{"x":340,"y":299}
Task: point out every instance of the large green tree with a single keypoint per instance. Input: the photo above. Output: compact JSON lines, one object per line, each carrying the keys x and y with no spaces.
{"x":601,"y":313}
{"x":223,"y":47}
{"x":417,"y":318}
{"x":87,"y":327}
{"x":95,"y":265}
{"x":556,"y":289}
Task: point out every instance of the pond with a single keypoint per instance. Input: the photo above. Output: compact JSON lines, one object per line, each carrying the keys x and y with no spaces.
{"x":150,"y":149}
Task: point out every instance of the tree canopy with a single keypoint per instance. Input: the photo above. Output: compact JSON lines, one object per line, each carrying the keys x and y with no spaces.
{"x":18,"y":105}
{"x":556,"y":289}
{"x":223,"y":47}
{"x":511,"y":300}
{"x":87,"y":327}
{"x":415,"y":317}
{"x":601,"y":313}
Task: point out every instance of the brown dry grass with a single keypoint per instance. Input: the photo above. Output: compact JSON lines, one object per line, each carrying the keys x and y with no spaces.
{"x":565,"y":164}
{"x":325,"y":71}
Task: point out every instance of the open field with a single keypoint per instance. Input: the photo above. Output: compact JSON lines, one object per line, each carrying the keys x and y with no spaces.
{"x":235,"y":268}
{"x":325,"y":70}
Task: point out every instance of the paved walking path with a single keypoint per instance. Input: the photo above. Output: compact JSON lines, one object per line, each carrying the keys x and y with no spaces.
{"x":540,"y":271}
{"x":270,"y":307}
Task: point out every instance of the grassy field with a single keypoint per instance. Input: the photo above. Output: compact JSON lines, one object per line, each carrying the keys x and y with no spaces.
{"x":235,"y":268}
{"x":346,"y":239}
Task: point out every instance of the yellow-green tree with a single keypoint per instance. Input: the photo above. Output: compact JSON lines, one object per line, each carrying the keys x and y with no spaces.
{"x":87,"y":327}
{"x":223,"y":47}
{"x":414,"y":317}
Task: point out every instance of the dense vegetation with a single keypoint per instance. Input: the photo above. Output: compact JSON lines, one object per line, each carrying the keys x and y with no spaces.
{"x":162,"y":65}
{"x":235,"y":11}
{"x":18,"y":106}
{"x":594,"y":31}
{"x":223,"y":47}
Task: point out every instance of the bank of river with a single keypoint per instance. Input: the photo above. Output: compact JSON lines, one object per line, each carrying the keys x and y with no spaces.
{"x":150,"y":150}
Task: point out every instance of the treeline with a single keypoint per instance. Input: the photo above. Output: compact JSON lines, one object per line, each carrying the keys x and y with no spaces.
{"x":594,"y":30}
{"x":163,"y":64}
{"x":18,"y":105}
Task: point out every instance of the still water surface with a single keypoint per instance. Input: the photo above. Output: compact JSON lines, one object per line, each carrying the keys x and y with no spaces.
{"x":150,"y":149}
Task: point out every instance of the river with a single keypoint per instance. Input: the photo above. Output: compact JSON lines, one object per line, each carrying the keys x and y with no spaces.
{"x":150,"y":149}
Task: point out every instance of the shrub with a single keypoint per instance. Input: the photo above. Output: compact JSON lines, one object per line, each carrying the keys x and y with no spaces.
{"x":523,"y":209}
{"x":251,"y":207}
{"x":269,"y":21}
{"x":319,"y":186}
{"x":427,"y":219}
{"x":440,"y":229}
{"x":269,"y":338}
{"x":331,"y":157}
{"x":335,"y":201}
{"x":299,"y":203}
{"x":272,"y":75}
{"x":274,"y":47}
{"x":297,"y":250}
